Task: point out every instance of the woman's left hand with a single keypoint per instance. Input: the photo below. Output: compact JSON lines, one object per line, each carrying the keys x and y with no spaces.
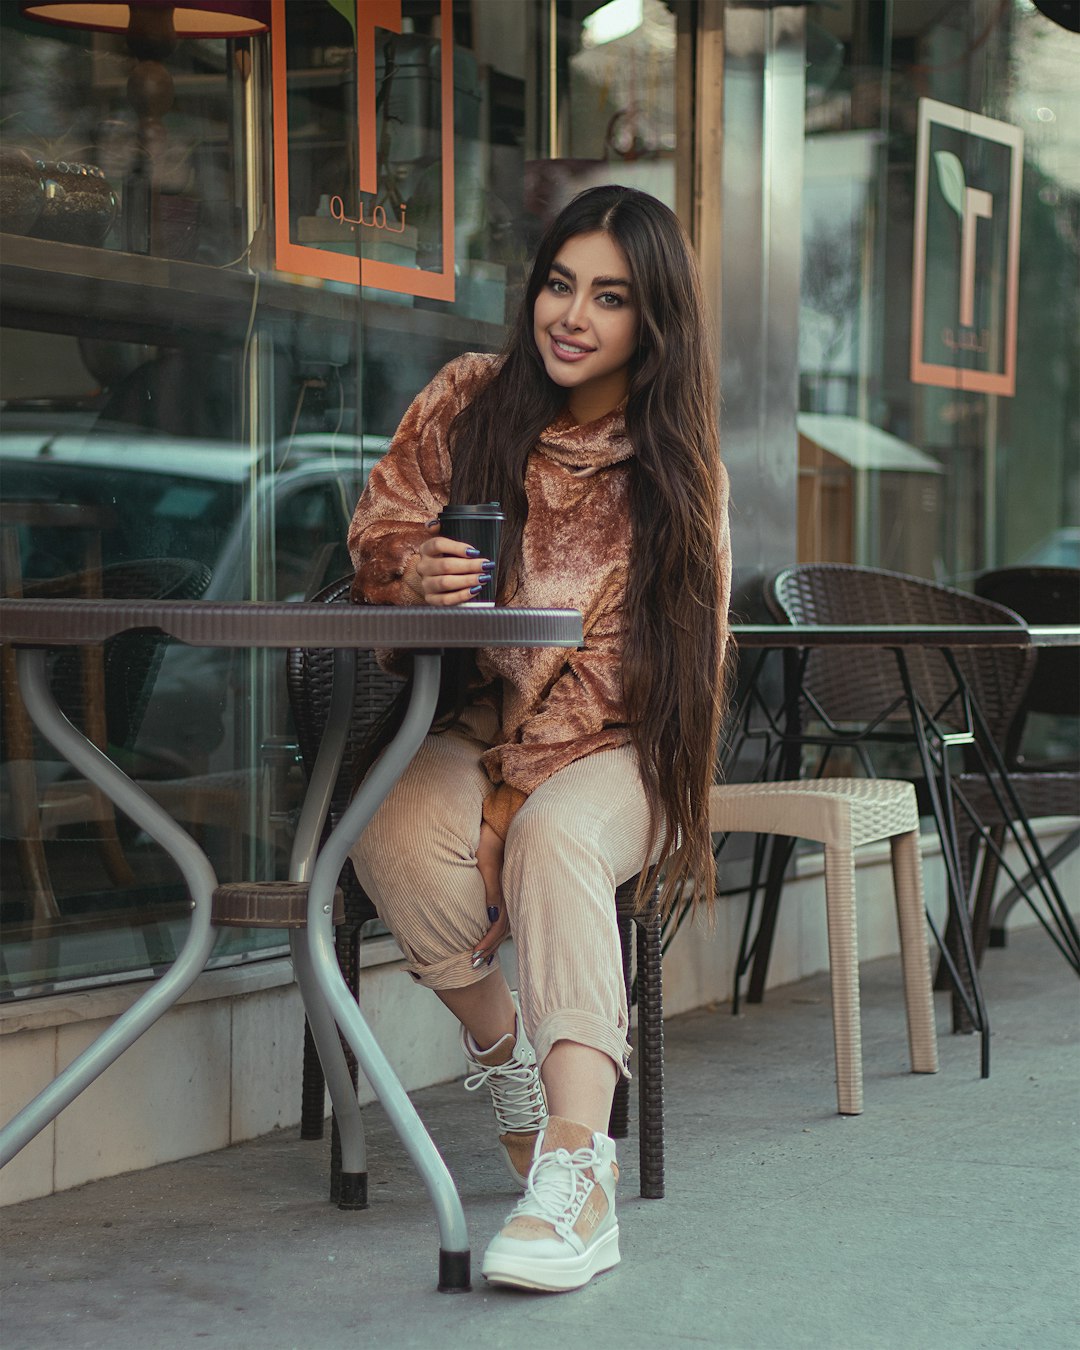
{"x":489,"y":861}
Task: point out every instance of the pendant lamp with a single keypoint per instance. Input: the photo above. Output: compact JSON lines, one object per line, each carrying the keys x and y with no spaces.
{"x":152,"y":30}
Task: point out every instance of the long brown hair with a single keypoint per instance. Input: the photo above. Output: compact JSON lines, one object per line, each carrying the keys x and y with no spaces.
{"x":674,"y":632}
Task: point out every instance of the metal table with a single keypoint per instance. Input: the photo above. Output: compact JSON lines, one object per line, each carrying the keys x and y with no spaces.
{"x":786,"y":637}
{"x":934,"y":744}
{"x":34,"y":626}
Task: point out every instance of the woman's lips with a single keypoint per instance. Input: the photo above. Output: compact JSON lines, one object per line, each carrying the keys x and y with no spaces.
{"x":569,"y":351}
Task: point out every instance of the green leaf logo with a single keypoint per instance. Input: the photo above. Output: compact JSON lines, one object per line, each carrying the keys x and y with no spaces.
{"x":347,"y":10}
{"x":950,"y":174}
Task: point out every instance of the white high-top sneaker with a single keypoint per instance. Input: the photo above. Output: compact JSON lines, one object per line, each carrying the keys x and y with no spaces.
{"x":563,"y":1230}
{"x":508,"y":1069}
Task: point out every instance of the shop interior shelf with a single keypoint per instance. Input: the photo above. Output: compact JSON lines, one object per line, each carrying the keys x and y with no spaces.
{"x":72,"y":288}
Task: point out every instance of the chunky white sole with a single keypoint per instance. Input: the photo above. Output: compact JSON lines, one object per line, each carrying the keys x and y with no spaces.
{"x":553,"y":1274}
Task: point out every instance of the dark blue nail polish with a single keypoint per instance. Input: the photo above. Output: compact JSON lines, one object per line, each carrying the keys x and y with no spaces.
{"x":471,"y":552}
{"x":493,"y":913}
{"x":491,"y":958}
{"x":433,"y":521}
{"x":487,"y":565}
{"x":475,"y":590}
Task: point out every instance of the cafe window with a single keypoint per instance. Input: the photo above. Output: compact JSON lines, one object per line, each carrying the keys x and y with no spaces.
{"x":194,"y":385}
{"x":939,"y":360}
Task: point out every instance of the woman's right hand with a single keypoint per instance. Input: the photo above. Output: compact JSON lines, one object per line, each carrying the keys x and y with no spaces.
{"x":446,"y":572}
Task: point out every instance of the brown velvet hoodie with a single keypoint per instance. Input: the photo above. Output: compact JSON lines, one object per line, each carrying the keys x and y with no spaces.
{"x":557,"y":705}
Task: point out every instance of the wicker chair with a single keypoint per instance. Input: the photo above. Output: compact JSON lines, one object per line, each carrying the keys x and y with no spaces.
{"x":1047,"y":595}
{"x":843,"y":813}
{"x":857,"y":698}
{"x":309,"y":676}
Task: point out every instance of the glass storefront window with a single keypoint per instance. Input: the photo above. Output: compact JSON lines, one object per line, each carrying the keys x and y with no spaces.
{"x":187,"y":409}
{"x":907,"y":460}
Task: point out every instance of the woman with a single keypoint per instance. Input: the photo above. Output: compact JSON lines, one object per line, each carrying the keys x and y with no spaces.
{"x":557,"y":775}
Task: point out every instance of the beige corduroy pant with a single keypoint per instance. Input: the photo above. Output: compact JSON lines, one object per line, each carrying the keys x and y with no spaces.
{"x":579,"y":835}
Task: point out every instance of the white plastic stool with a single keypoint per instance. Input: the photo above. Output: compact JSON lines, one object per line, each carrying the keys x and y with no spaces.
{"x":842,"y":813}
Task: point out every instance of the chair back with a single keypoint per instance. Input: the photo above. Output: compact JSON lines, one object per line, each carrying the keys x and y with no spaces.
{"x":1043,"y":595}
{"x":309,"y":677}
{"x":856,"y":685}
{"x":130,"y":661}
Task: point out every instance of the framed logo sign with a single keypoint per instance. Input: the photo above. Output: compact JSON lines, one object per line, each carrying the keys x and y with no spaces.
{"x":966,"y":264}
{"x":363,"y":106}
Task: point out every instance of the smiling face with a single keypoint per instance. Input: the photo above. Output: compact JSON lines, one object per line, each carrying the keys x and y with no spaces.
{"x":585,"y":324}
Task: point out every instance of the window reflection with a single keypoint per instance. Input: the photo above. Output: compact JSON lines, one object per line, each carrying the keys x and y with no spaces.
{"x":190,"y":400}
{"x":955,"y":493}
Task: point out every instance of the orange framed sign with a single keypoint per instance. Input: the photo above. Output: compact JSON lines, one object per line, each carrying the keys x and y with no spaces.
{"x":966,"y":261}
{"x":370,"y":200}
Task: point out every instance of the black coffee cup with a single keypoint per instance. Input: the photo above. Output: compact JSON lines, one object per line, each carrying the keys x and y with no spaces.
{"x":480,"y":525}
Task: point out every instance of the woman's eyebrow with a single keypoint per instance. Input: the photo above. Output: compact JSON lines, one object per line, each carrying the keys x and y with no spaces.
{"x":571,"y":275}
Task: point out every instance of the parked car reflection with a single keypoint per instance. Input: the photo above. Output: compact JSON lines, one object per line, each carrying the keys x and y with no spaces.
{"x":267,"y":530}
{"x":213,"y":741}
{"x":1061,"y":548}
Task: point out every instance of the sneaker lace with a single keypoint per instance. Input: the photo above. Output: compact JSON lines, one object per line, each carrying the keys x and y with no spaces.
{"x":557,"y":1188}
{"x":516,"y":1095}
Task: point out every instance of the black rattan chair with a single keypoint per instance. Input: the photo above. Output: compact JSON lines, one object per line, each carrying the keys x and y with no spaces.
{"x":1042,"y":595}
{"x":309,"y":676}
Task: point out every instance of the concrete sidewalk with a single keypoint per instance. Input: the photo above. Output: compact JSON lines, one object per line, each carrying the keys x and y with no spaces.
{"x":946,"y":1216}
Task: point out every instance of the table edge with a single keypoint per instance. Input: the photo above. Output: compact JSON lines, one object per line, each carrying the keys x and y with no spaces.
{"x":209,"y":623}
{"x":780,"y":637}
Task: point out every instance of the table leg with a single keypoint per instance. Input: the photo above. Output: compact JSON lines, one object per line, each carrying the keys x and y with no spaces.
{"x":454,"y":1254}
{"x":995,"y":920}
{"x":97,"y":768}
{"x":935,"y":767}
{"x":1017,"y":826}
{"x":313,"y":816}
{"x":1027,"y":841}
{"x":780,"y":852}
{"x":780,"y":849}
{"x":335,"y":1067}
